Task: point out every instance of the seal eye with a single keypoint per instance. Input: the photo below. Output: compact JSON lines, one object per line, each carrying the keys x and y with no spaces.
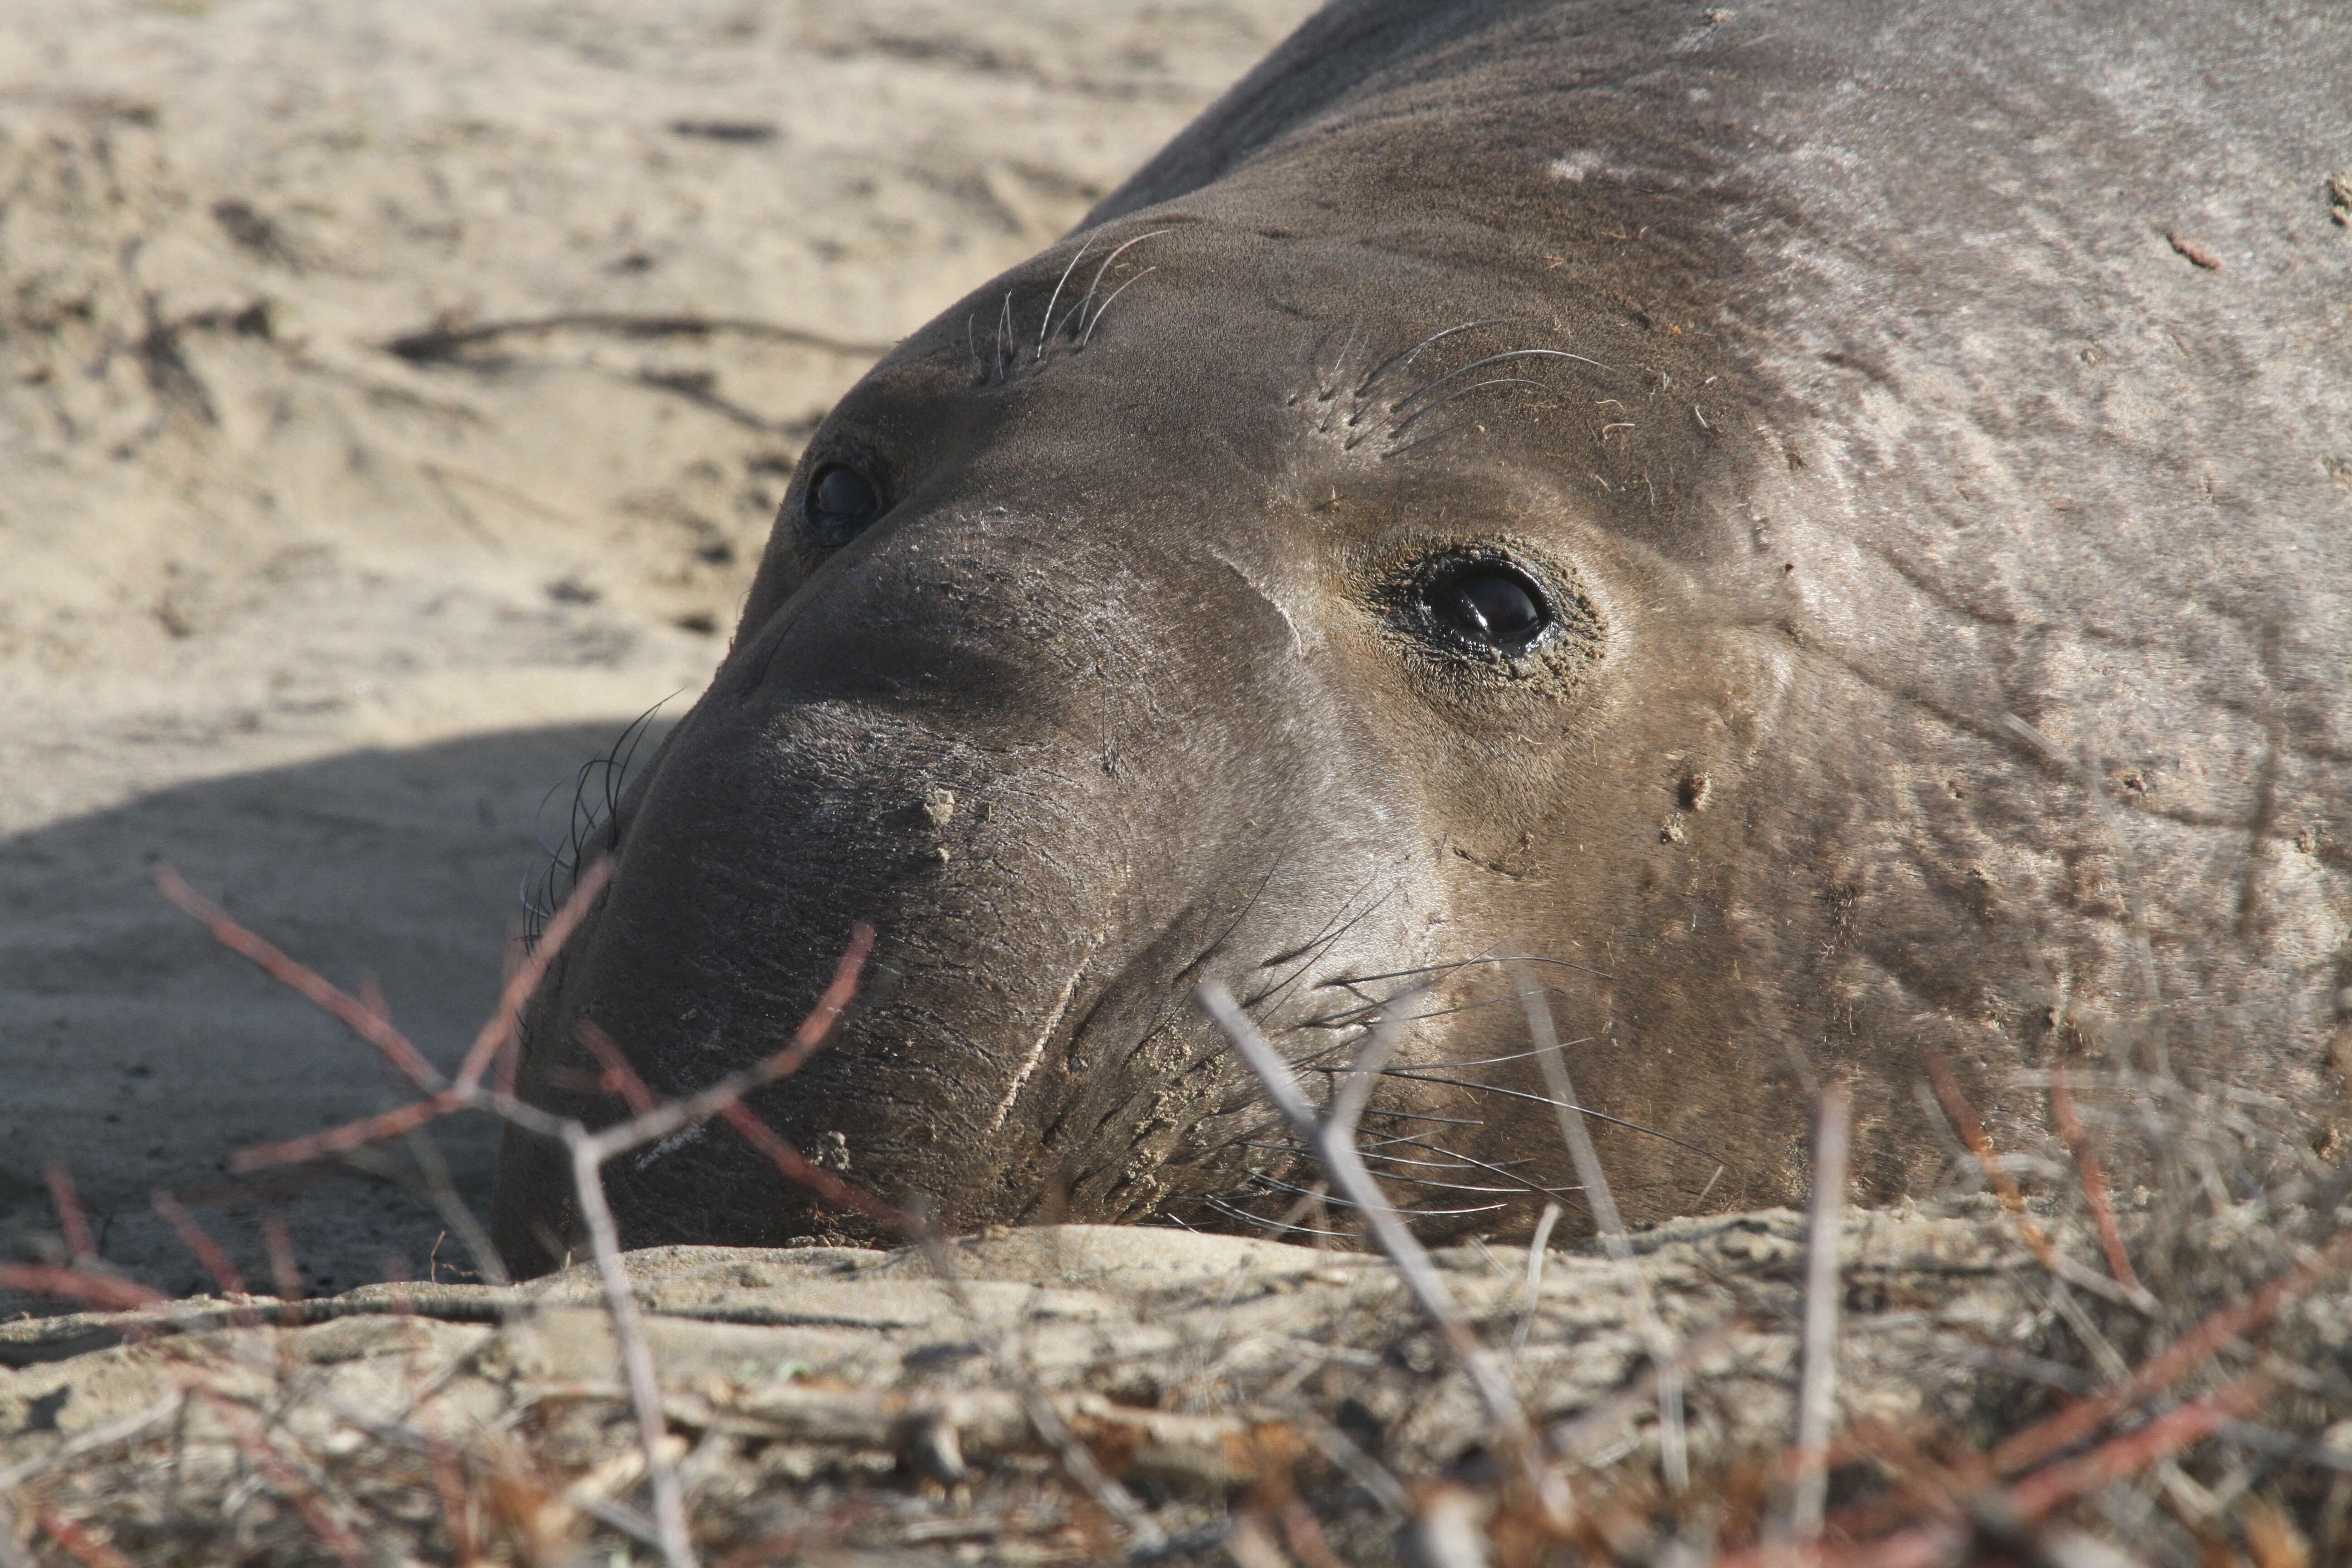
{"x":1490,"y":604}
{"x":841,"y":502}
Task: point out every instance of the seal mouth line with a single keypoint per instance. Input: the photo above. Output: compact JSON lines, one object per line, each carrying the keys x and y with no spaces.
{"x":1038,"y":1050}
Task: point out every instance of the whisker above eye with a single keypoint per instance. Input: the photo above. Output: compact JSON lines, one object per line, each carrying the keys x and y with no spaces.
{"x":1429,"y":386}
{"x":1405,"y":357}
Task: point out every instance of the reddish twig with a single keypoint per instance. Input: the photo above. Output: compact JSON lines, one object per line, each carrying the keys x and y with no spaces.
{"x":194,"y":1237}
{"x":824,"y":1183}
{"x":1972,"y":1133}
{"x":2094,"y":1182}
{"x":85,"y":1546}
{"x":346,"y":1009}
{"x":2037,"y":1240}
{"x":587,"y":1150}
{"x":506,"y":1021}
{"x":619,"y":1078}
{"x":350,"y":1135}
{"x":1939,"y":1541}
{"x":449,"y":1483}
{"x":2184,"y":1355}
{"x":101,"y":1290}
{"x":332,"y":1532}
{"x":71,"y":1217}
{"x":284,"y":1273}
{"x":2035,"y":1496}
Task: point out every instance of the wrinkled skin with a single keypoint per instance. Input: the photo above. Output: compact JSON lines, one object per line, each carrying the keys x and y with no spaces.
{"x":1898,"y":436}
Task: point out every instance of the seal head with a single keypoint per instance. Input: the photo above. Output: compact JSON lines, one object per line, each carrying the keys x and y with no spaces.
{"x":1500,"y":488}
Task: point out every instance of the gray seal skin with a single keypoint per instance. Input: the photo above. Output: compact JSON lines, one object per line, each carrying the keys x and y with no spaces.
{"x":1769,"y":512}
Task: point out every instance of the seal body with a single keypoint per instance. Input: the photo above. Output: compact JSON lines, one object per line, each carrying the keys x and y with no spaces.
{"x":1825,"y":526}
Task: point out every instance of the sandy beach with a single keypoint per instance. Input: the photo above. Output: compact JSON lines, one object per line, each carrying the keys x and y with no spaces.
{"x":393,"y":400}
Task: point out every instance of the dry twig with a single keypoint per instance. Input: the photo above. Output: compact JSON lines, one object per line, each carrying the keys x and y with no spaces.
{"x":1816,"y":1383}
{"x":587,"y":1150}
{"x":1332,"y":1139}
{"x":1674,"y":1446}
{"x":1972,"y":1133}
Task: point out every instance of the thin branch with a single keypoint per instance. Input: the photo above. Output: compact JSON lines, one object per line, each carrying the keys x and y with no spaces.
{"x":636,"y":1357}
{"x":196,"y":1240}
{"x":1536,"y":1245}
{"x":506,"y":1021}
{"x":354,"y":1015}
{"x":101,"y":1290}
{"x":2094,"y":1186}
{"x":1817,"y":1384}
{"x":87,"y":1548}
{"x":664,"y":1120}
{"x":2192,"y":1349}
{"x":333,"y":1533}
{"x":2037,"y":1240}
{"x":71,"y":1217}
{"x":1332,"y":1141}
{"x":1674,"y":1443}
{"x":587,"y":1150}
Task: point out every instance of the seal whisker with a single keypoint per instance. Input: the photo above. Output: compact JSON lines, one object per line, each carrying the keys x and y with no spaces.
{"x":1322,"y":939}
{"x":1411,"y":1076}
{"x":1336,"y":1200}
{"x":1405,"y":357}
{"x":1436,"y":1185}
{"x":1045,"y":320}
{"x":1088,"y":335}
{"x":1398,"y":427}
{"x":1519,"y":1056}
{"x":1448,"y":1164}
{"x":1471,"y":1160}
{"x":1247,"y":1218}
{"x":1121,"y":250}
{"x":585,"y":818}
{"x":1217,"y":943}
{"x":1370,"y":1013}
{"x":1456,"y":428}
{"x":1418,"y":1116}
{"x":1511,"y":1176}
{"x":1467,"y":963}
{"x":1428,"y":386}
{"x":1316,"y":946}
{"x":1327,"y":385}
{"x":1398,"y":1140}
{"x":1004,"y":345}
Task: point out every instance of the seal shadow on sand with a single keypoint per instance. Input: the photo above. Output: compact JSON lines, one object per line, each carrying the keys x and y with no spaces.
{"x":140,"y":1054}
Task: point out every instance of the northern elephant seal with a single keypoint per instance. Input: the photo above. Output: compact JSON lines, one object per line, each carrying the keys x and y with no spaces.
{"x":1828,"y":523}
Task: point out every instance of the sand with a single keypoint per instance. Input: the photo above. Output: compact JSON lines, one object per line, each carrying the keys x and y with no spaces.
{"x":393,"y":400}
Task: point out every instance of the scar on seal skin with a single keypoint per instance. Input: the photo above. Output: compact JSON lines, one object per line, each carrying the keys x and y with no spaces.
{"x":1702,"y":506}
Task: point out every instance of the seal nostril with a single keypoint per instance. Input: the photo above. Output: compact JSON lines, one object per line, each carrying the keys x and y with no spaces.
{"x":1489,"y":604}
{"x":841,"y":501}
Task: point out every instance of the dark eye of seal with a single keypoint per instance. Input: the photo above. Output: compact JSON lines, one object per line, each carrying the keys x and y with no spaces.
{"x":1488,"y":605}
{"x":841,"y":502}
